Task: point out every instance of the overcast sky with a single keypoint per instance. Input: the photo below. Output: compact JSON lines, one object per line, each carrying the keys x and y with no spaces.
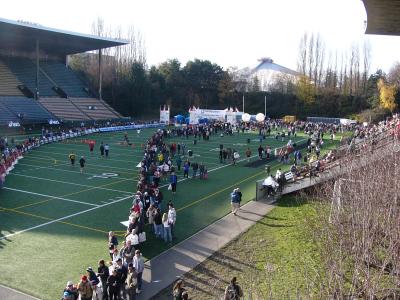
{"x":227,"y":32}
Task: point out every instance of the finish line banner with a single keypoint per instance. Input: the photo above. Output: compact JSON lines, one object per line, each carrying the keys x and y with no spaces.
{"x":131,"y":127}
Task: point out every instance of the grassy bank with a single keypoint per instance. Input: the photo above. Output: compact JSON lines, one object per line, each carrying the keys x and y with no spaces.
{"x":276,"y":257}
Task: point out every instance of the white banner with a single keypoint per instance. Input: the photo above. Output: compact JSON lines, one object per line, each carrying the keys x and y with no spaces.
{"x":164,"y":114}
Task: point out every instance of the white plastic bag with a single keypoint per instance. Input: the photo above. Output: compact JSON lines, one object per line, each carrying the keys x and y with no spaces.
{"x":142,"y":237}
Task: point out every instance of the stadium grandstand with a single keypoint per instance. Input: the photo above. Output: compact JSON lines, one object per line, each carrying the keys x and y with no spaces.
{"x":37,"y":85}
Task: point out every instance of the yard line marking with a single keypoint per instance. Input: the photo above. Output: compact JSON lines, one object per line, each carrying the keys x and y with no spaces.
{"x":61,"y":219}
{"x":87,"y":157}
{"x":220,"y":191}
{"x":31,"y":204}
{"x":67,"y":182}
{"x":95,"y":157}
{"x":48,"y":196}
{"x":50,"y":219}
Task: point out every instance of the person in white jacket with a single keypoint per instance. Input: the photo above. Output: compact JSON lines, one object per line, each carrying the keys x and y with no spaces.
{"x":171,"y":217}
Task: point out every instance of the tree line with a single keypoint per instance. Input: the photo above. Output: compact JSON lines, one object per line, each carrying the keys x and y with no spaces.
{"x":333,"y":85}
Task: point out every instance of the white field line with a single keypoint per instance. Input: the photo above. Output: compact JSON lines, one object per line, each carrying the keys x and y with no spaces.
{"x":100,"y":206}
{"x":90,"y":165}
{"x":36,"y":167}
{"x":92,"y":157}
{"x":69,"y":171}
{"x":48,"y":196}
{"x":70,"y":183}
{"x":63,"y":218}
{"x":88,"y":157}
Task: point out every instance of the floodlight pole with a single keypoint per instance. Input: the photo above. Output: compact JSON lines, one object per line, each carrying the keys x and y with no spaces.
{"x":243,"y":103}
{"x":37,"y":71}
{"x":100,"y":76}
{"x":265,"y":106}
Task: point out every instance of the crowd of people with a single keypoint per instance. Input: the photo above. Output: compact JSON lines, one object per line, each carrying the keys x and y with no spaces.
{"x":121,"y":276}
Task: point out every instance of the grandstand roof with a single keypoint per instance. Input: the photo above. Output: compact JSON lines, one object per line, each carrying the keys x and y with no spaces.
{"x":383,"y":17}
{"x":268,"y":64}
{"x":22,"y":36}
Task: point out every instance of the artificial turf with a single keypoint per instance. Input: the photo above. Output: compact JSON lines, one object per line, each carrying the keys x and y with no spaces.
{"x":71,"y":232}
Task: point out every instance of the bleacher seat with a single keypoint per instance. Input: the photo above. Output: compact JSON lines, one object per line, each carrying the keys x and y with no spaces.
{"x":30,"y":110}
{"x":25,"y":70}
{"x":63,"y":108}
{"x":65,"y":78}
{"x":6,"y":115}
{"x":95,"y":109}
{"x":8,"y":82}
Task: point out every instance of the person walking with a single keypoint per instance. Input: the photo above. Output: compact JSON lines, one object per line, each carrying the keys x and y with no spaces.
{"x":138,"y":264}
{"x":233,"y":291}
{"x":82,"y":163}
{"x":236,"y":198}
{"x":72,"y":158}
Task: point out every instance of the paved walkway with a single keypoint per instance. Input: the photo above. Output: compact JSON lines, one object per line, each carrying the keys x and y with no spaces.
{"x":164,"y":269}
{"x":11,"y":294}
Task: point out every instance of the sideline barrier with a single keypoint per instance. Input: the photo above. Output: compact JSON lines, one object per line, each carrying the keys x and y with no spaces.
{"x":13,"y":158}
{"x":130,"y":127}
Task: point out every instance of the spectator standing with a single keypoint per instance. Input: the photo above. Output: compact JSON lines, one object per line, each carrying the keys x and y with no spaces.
{"x":122,"y":273}
{"x":70,"y":292}
{"x":167,"y":228}
{"x":186,"y":166}
{"x":174,"y":181}
{"x":85,"y":289}
{"x":178,"y":162}
{"x":103,"y":273}
{"x":102,"y":149}
{"x":112,"y":243}
{"x":112,"y":283}
{"x":171,"y":218}
{"x":131,"y":282}
{"x":260,"y":151}
{"x":195,"y":167}
{"x":106,"y":149}
{"x":158,"y":225}
{"x":138,"y":264}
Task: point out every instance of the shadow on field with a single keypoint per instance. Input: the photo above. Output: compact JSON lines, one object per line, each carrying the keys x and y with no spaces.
{"x":5,"y":241}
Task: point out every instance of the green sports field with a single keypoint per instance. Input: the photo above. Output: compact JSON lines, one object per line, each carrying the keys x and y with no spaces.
{"x":54,"y":221}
